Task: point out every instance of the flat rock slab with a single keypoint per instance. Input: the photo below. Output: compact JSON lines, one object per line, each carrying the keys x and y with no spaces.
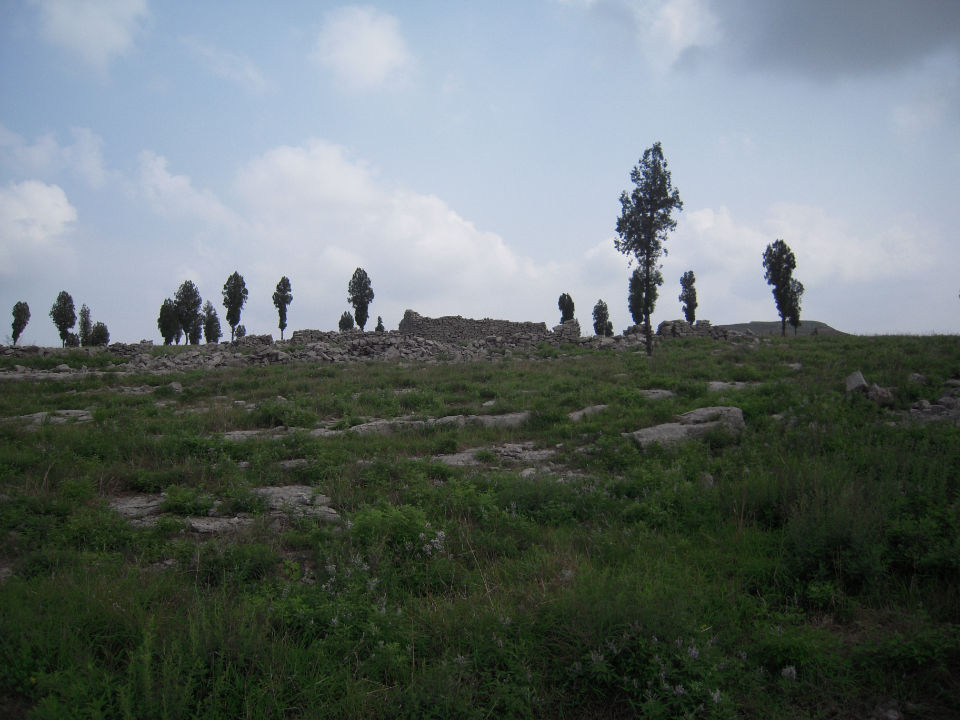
{"x":137,"y":506}
{"x":657,"y":394}
{"x":53,"y":417}
{"x":282,"y":497}
{"x":282,"y":502}
{"x":383,"y":427}
{"x":509,"y":452}
{"x":578,"y":415}
{"x":689,"y":426}
{"x":720,"y":385}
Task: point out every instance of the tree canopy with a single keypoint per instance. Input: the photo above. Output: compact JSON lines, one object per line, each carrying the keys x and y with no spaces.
{"x":21,"y":316}
{"x":688,"y":296}
{"x":647,"y":216}
{"x":779,"y":263}
{"x":601,"y":319}
{"x":211,"y":323}
{"x":360,"y":295}
{"x":187,"y":302}
{"x":99,"y":335}
{"x":234,"y":296}
{"x":796,"y":294}
{"x":565,"y":303}
{"x":168,"y":323}
{"x":281,"y":298}
{"x":86,"y":325}
{"x":63,"y":315}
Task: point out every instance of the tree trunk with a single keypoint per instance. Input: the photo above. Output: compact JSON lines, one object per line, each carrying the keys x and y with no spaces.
{"x":783,"y":327}
{"x":646,"y":330}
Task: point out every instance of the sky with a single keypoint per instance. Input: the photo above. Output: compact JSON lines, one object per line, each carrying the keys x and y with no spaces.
{"x":470,"y":156}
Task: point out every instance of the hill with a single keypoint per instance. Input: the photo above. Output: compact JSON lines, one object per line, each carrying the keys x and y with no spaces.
{"x":763,"y":328}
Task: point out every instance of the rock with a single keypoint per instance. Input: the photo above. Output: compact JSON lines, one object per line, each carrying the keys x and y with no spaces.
{"x":137,"y":506}
{"x":720,"y":386}
{"x":578,"y":415}
{"x":176,"y":387}
{"x":917,"y":379}
{"x":855,"y":382}
{"x":881,"y":396}
{"x":689,"y":426}
{"x":796,"y":367}
{"x":62,"y":367}
{"x":657,"y":394}
{"x":291,"y":496}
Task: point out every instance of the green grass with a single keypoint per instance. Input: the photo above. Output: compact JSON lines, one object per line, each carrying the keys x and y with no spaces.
{"x":810,"y":568}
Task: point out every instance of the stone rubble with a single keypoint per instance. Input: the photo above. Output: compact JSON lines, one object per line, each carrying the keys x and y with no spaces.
{"x":420,"y":339}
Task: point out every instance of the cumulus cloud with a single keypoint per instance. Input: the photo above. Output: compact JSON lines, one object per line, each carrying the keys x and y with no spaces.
{"x":363,"y":48}
{"x":314,"y":213}
{"x":35,"y":218}
{"x":238,"y":69}
{"x":95,"y":30}
{"x":174,"y":196}
{"x":46,"y":156}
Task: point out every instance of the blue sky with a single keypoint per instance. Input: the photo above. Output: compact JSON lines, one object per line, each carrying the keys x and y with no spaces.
{"x":470,"y":156}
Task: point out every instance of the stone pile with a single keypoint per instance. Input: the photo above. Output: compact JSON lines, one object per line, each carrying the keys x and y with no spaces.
{"x":702,"y":328}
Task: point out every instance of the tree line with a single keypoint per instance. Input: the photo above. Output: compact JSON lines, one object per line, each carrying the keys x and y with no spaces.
{"x":182,"y":315}
{"x":645,"y":221}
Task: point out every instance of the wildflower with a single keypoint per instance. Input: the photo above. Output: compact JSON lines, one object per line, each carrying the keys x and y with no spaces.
{"x":716,"y":696}
{"x":693,"y":652}
{"x":789,"y":672}
{"x":331,"y":569}
{"x":460,"y":660}
{"x":334,"y":621}
{"x":596,"y":657}
{"x":680,"y":690}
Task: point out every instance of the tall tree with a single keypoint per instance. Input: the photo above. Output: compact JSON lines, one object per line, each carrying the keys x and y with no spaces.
{"x":796,"y":294}
{"x":187,"y":302}
{"x":379,"y":328}
{"x":211,"y":323}
{"x":346,"y":321}
{"x":779,"y":263}
{"x":601,"y":319}
{"x":234,"y":296}
{"x":360,"y":295}
{"x":637,"y":297}
{"x":643,"y":225}
{"x":86,"y":326}
{"x":63,"y":315}
{"x":195,"y":331}
{"x":565,"y":303}
{"x":168,"y":323}
{"x":281,"y":298}
{"x":688,"y":296}
{"x":21,"y":316}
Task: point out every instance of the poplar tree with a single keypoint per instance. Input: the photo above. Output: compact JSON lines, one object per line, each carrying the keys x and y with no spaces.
{"x":643,"y":226}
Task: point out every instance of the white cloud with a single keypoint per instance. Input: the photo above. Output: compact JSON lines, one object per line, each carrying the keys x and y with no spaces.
{"x":677,"y":26}
{"x":173,"y":196}
{"x":363,"y":48}
{"x":237,"y":69}
{"x":96,"y":30}
{"x":827,"y":251}
{"x":46,"y":156}
{"x":34,"y":219}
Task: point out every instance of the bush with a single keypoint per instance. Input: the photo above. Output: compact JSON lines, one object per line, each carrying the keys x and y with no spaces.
{"x":346,"y":321}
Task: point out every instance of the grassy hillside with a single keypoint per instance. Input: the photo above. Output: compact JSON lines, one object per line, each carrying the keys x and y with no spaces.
{"x":808,"y":568}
